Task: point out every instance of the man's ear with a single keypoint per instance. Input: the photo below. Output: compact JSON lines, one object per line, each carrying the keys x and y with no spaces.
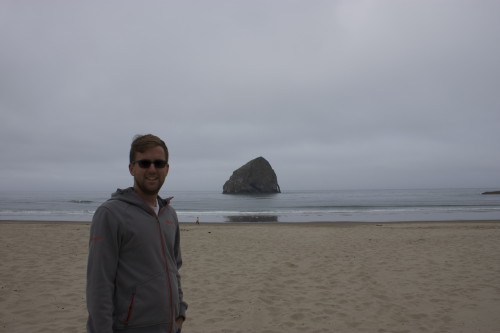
{"x":131,"y":169}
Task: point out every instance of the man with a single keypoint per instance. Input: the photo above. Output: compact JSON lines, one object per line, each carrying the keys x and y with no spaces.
{"x":133,"y":281}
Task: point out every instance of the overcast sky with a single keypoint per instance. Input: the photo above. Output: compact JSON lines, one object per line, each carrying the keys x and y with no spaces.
{"x":334,"y":94}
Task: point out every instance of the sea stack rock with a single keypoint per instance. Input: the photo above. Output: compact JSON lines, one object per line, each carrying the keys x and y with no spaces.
{"x":257,"y":176}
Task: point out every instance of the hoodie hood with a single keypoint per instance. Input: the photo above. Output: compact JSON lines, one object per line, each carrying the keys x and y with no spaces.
{"x":130,"y":196}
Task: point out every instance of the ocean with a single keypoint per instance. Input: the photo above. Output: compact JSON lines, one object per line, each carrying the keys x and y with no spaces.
{"x":289,"y":206}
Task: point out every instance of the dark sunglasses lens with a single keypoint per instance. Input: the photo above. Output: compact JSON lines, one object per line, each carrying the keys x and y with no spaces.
{"x":145,"y":164}
{"x":159,"y":164}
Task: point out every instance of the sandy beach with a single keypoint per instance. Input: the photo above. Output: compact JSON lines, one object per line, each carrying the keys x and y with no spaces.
{"x":274,"y":277}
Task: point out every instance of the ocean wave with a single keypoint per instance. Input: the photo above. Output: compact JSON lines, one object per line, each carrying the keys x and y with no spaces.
{"x":82,"y":201}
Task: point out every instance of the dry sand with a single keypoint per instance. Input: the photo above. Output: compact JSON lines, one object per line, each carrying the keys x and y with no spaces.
{"x":305,"y":277}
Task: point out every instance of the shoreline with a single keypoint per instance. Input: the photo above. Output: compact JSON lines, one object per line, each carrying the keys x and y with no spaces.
{"x":182,"y":223}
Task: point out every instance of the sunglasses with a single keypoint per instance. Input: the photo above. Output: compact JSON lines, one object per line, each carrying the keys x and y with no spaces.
{"x":145,"y":164}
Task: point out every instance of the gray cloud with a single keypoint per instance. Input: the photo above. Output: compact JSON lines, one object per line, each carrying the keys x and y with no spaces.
{"x":335,"y":94}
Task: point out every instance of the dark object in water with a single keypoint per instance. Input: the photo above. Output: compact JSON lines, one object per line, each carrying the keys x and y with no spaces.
{"x":257,"y":176}
{"x":252,"y":218}
{"x":492,"y":192}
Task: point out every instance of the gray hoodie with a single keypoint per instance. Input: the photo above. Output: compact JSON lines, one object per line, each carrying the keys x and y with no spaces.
{"x":133,"y":279}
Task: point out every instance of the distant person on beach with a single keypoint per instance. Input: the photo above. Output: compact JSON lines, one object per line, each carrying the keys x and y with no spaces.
{"x":133,"y":281}
{"x":197,"y":220}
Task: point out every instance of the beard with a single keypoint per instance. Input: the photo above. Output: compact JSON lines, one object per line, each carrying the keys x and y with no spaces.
{"x":149,"y":187}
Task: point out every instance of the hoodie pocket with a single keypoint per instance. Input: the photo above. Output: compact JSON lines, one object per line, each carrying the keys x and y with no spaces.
{"x":130,"y":309}
{"x":148,"y":304}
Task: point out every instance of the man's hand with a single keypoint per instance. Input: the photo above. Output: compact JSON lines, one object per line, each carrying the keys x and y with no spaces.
{"x":179,"y":321}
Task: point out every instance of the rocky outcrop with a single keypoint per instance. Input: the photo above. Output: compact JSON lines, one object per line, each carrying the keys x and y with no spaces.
{"x":492,"y":192}
{"x":257,"y":176}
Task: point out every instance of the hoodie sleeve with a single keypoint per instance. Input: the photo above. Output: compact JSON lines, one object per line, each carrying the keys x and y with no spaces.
{"x":101,"y":271}
{"x":178,"y":258}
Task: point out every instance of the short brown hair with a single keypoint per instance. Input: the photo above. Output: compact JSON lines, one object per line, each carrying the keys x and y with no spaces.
{"x":141,"y":143}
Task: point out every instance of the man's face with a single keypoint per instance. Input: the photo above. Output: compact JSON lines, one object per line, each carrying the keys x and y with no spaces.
{"x":148,"y":181}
